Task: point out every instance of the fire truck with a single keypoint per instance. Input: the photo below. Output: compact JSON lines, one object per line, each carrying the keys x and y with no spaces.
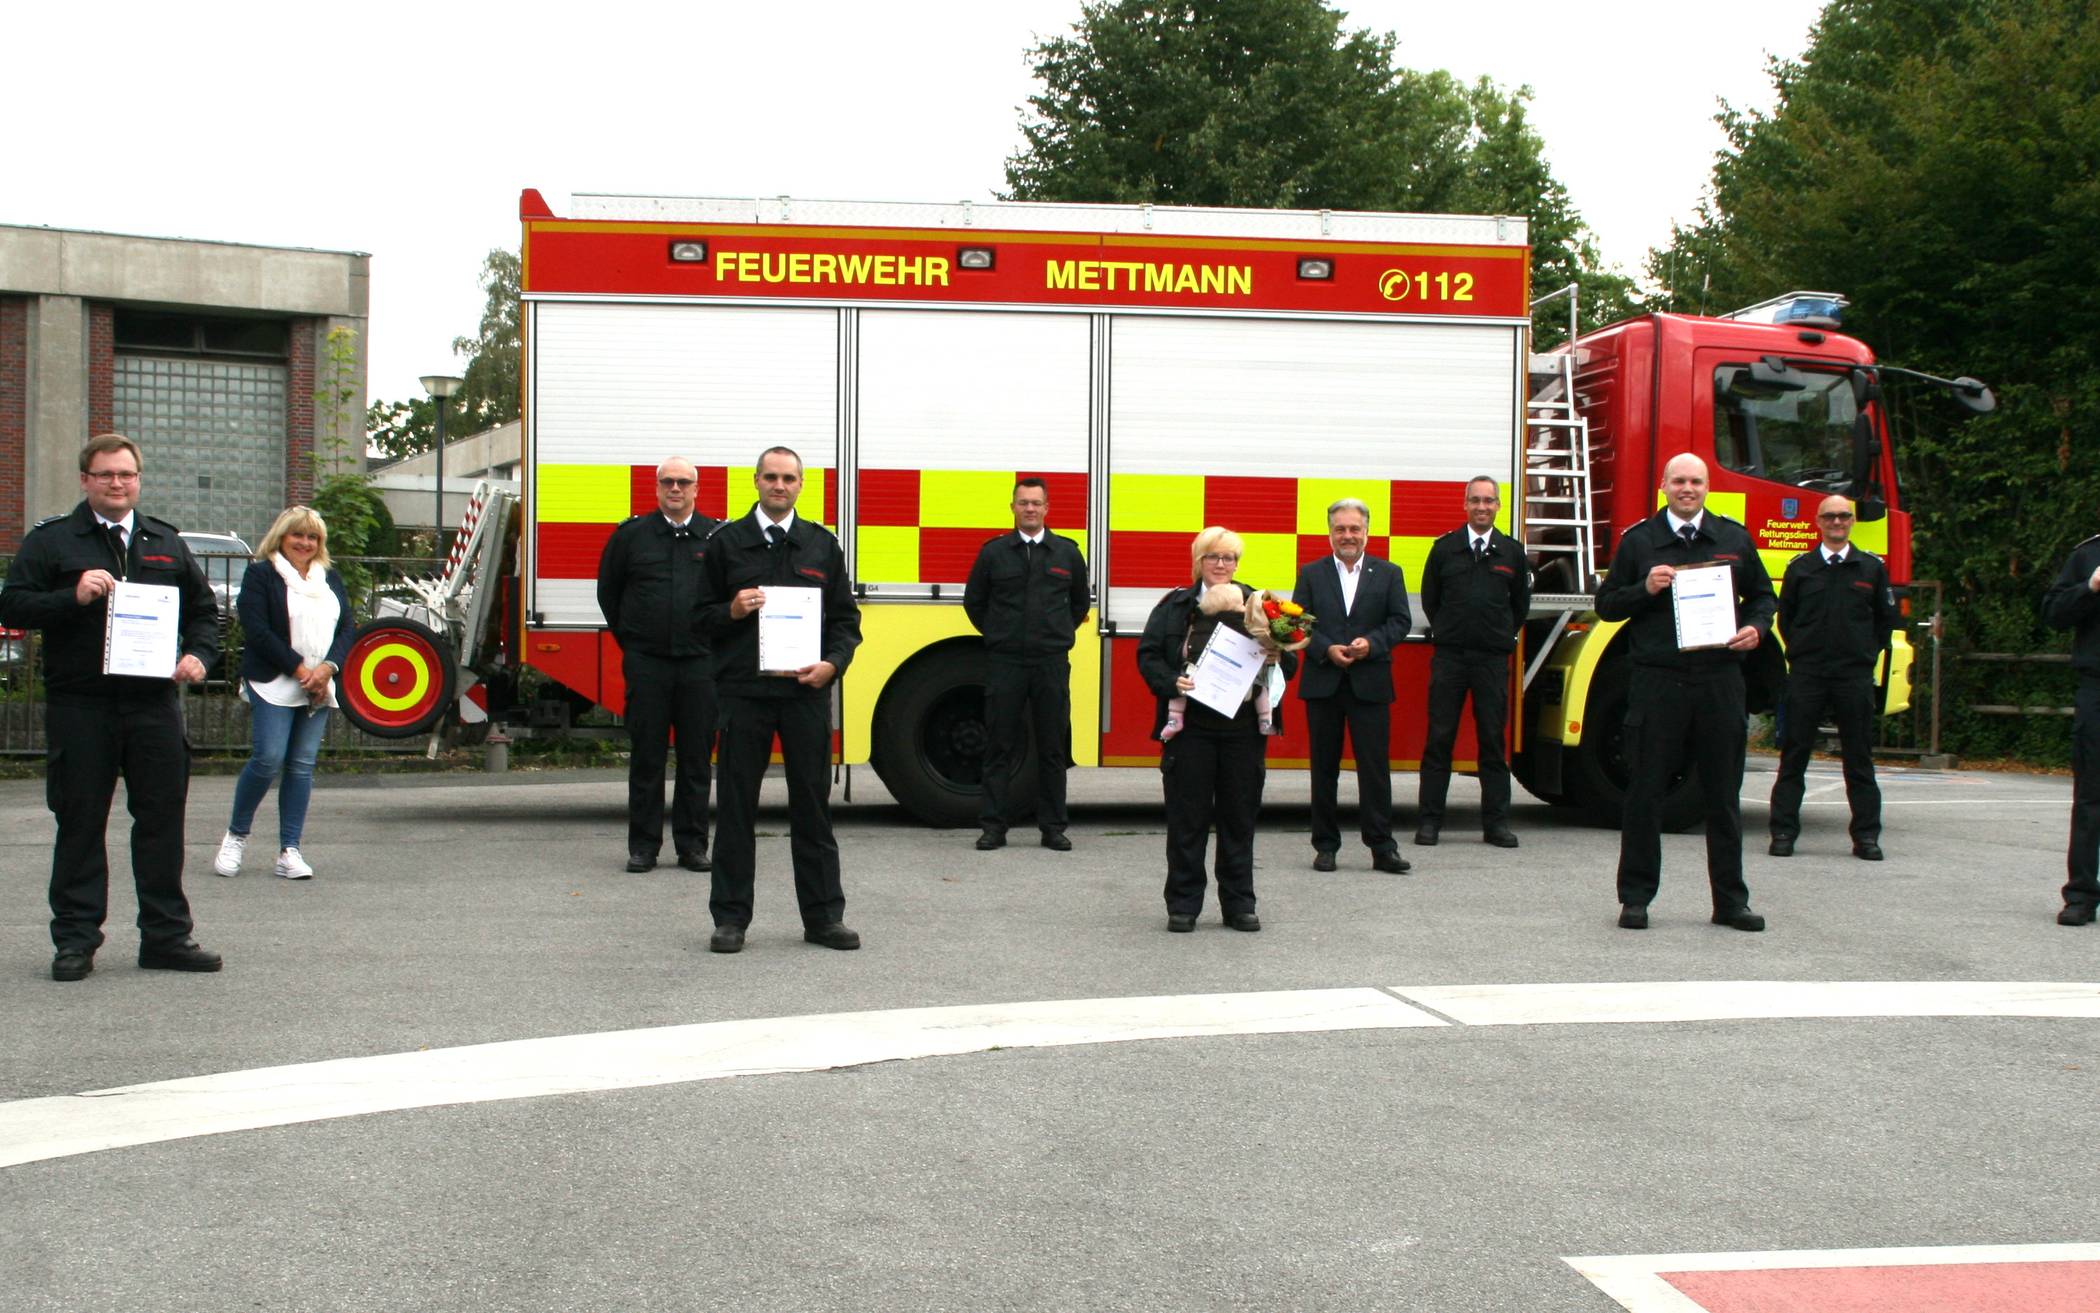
{"x":1161,"y":369}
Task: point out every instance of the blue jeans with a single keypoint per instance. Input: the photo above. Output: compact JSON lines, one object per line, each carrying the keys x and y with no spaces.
{"x":287,"y":740}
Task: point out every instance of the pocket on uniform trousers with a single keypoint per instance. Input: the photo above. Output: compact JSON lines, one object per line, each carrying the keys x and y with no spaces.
{"x":54,"y":757}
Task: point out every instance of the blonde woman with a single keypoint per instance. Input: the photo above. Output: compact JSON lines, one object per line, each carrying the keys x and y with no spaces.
{"x":1213,"y":766}
{"x":295,"y":627}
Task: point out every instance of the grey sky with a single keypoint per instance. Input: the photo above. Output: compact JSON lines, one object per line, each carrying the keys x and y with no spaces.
{"x":408,"y":130}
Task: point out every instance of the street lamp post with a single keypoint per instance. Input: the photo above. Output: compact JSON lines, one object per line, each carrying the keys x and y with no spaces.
{"x":441,"y":386}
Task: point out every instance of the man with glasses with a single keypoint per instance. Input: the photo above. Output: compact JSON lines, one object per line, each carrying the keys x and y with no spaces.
{"x":1360,"y":614}
{"x":99,"y":726}
{"x":1836,"y":612}
{"x":649,"y":589}
{"x":1027,"y":595}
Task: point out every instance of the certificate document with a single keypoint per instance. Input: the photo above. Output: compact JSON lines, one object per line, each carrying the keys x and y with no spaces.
{"x":142,"y":635}
{"x":790,"y":630}
{"x":1704,"y":599}
{"x":1227,"y":669}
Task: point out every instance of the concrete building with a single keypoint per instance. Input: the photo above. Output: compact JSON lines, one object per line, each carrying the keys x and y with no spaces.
{"x":215,"y":357}
{"x":409,"y":485}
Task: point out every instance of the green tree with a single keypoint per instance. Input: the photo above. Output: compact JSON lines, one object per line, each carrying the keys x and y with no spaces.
{"x":1271,"y":103}
{"x":1938,"y":161}
{"x":492,"y":394}
{"x":356,"y":515}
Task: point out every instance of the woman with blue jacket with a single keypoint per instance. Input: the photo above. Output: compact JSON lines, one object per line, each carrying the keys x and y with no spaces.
{"x":295,"y":631}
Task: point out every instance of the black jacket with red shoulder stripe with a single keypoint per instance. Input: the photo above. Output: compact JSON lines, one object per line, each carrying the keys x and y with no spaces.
{"x":739,"y":557}
{"x":1836,"y":619}
{"x":1651,"y":620}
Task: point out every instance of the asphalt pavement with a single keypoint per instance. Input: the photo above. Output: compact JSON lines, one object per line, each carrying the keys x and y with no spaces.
{"x":1418,"y":1162}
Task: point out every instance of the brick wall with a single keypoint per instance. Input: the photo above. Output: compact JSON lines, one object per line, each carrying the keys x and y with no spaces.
{"x":101,"y":364}
{"x":299,"y":413}
{"x":14,"y":416}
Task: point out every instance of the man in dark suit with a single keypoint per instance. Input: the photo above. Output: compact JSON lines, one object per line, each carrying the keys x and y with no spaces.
{"x":1476,"y":589}
{"x":772,"y":547}
{"x":649,"y":589}
{"x":1686,"y":703}
{"x":1359,"y":607}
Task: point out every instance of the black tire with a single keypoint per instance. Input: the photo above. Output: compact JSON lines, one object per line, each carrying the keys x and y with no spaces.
{"x":930,"y":738}
{"x":394,"y":649}
{"x":1597,"y":777}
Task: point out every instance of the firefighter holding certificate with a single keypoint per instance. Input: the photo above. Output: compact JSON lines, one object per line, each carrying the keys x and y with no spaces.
{"x":1686,"y":702}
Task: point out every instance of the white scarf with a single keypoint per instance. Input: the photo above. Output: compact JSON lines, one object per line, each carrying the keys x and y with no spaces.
{"x":314,"y":610}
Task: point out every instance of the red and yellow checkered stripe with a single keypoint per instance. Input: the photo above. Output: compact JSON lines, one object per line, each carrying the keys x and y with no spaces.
{"x":576,"y":507}
{"x":1282,"y":521}
{"x":926,"y":526}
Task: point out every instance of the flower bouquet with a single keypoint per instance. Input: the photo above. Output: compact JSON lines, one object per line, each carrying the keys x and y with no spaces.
{"x":1278,"y":625}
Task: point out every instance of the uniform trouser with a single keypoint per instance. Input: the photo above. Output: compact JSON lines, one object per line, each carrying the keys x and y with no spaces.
{"x":667,"y":694}
{"x":2083,"y":887}
{"x":1671,"y":719}
{"x":1212,"y":780}
{"x":1453,"y":674}
{"x":138,"y":734}
{"x":803,"y":723}
{"x":1019,"y":696}
{"x":1848,"y":700}
{"x":1370,"y":735}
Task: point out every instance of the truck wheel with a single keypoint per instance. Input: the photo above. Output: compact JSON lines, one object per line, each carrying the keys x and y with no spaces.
{"x":1598,"y":779}
{"x":398,"y":680}
{"x":930,"y":738}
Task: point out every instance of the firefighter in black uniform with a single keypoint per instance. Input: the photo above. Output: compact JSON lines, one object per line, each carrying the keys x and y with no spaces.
{"x":1684,"y":703}
{"x":98,"y":726}
{"x":1027,"y":595}
{"x":649,"y":590}
{"x":1476,"y":590}
{"x":1836,"y":612}
{"x":774,"y":547}
{"x":2073,"y":603}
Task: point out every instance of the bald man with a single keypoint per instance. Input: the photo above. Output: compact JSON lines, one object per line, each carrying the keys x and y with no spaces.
{"x":1685,"y":704}
{"x":1836,"y":612}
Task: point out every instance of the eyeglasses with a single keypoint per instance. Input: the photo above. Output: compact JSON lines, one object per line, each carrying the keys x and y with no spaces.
{"x":1221,"y":558}
{"x":114,"y":476}
{"x":1835,"y":515}
{"x":676,"y":483}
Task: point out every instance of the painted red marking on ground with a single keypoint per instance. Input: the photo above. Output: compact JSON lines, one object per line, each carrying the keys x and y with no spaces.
{"x":2072,"y":1287}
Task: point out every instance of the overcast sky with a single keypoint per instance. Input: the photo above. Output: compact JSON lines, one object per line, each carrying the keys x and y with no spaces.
{"x":407,"y":131}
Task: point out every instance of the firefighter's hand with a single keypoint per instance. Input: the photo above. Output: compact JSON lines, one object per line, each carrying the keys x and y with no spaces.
{"x":747,"y":601}
{"x":1361,"y":647}
{"x":1341,"y":654}
{"x":1745,"y":638}
{"x":1659,"y":578}
{"x":189,"y":670}
{"x":93,"y":584}
{"x":2092,"y":583}
{"x":816,"y":676}
{"x":1184,"y":683}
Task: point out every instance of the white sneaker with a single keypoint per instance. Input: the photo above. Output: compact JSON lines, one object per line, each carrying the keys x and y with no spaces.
{"x":228,"y":862}
{"x":291,"y":866}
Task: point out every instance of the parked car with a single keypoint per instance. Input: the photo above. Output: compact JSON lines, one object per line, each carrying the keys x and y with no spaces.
{"x":225,"y":558}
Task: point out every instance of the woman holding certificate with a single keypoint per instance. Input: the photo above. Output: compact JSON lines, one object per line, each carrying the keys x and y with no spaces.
{"x":295,"y":627}
{"x":1219,"y":697}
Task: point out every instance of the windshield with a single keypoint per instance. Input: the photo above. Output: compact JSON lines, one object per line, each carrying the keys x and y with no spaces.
{"x":215,"y":543}
{"x":1801,"y":436}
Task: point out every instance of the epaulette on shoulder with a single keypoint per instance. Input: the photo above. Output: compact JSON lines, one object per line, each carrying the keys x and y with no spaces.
{"x":169,"y":525}
{"x":49,"y":519}
{"x":2087,"y":543}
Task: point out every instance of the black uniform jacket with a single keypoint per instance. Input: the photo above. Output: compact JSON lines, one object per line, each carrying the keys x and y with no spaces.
{"x":1475,"y":605}
{"x":1651,"y":621}
{"x":1024,"y":614}
{"x":2072,"y":604}
{"x":649,"y":580}
{"x":1160,"y":658}
{"x":265,"y":608}
{"x":1836,"y":619}
{"x":739,"y":557}
{"x":39,"y":595}
{"x":1381,"y":614}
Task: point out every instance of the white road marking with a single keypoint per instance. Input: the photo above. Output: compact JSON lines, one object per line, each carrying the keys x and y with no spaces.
{"x":1634,"y":1280}
{"x":1751,"y":1000}
{"x":33,"y":1130}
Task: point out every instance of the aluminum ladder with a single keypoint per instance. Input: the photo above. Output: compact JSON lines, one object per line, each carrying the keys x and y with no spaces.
{"x":1560,"y":519}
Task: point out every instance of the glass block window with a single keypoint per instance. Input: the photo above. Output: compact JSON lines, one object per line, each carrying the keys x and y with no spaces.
{"x":214,"y":437}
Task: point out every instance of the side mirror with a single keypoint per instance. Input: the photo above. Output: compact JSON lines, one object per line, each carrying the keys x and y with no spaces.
{"x":1865,"y":389}
{"x":1870,"y":508}
{"x":1972,"y":392}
